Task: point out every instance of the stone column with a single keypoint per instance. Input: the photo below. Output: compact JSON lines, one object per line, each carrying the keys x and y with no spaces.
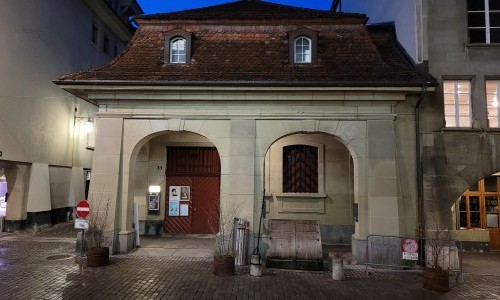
{"x":39,"y":189}
{"x":240,"y":176}
{"x":17,"y":184}
{"x":382,"y":195}
{"x":106,"y":175}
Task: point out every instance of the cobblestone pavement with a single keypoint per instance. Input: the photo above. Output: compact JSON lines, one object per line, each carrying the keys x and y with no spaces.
{"x":41,"y":266}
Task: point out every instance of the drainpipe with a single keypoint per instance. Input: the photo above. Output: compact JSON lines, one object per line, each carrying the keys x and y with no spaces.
{"x":420,"y":184}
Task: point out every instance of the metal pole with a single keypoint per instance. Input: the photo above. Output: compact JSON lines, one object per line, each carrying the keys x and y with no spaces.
{"x":81,"y":242}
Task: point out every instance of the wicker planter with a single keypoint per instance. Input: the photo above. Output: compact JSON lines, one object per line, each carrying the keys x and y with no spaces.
{"x":223,"y":266}
{"x":97,"y":256}
{"x":436,"y":280}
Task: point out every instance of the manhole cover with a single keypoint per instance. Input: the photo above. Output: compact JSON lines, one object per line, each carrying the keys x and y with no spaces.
{"x":59,"y":257}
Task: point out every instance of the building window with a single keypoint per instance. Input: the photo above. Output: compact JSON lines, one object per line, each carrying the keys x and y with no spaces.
{"x":300,"y":169}
{"x":303,"y":46}
{"x":302,"y":50}
{"x":178,"y":47}
{"x":483,"y":18}
{"x":492,"y":90}
{"x":178,"y":51}
{"x":478,"y":206}
{"x":95,"y":34}
{"x":457,"y":103}
{"x":105,"y":44}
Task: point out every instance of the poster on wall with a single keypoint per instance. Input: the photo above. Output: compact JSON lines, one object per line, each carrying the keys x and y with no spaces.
{"x":185,"y":193}
{"x":184,"y":210}
{"x":154,"y":202}
{"x":173,"y":208}
{"x":174,"y":193}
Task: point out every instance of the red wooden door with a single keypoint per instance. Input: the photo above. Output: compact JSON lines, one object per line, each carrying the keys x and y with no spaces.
{"x":206,"y":204}
{"x":199,"y":169}
{"x":177,"y":224}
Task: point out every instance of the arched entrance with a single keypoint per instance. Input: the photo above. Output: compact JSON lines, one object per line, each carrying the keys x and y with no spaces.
{"x":308,"y":177}
{"x":186,"y":168}
{"x":476,"y":215}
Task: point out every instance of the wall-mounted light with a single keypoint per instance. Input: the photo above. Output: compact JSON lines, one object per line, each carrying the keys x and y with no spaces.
{"x":89,"y":125}
{"x":154,"y":189}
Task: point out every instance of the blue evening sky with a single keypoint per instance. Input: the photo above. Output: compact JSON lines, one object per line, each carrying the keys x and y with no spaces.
{"x":160,"y":6}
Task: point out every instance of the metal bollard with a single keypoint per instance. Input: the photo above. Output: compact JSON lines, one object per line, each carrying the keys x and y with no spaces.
{"x":337,"y":267}
{"x":240,"y":241}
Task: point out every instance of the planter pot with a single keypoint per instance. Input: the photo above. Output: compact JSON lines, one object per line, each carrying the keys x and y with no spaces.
{"x":97,"y":256}
{"x":434,"y":280}
{"x":223,"y":266}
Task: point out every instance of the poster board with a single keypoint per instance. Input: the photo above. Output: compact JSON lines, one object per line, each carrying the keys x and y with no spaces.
{"x":153,"y":203}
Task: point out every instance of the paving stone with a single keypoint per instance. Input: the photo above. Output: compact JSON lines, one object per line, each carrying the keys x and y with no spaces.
{"x":34,"y":268}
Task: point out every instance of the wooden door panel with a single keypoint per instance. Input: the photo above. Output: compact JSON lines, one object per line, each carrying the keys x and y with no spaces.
{"x":205,"y":204}
{"x":177,"y":224}
{"x":494,"y":239}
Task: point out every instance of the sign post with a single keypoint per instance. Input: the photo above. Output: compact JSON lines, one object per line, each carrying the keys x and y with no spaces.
{"x":82,"y":212}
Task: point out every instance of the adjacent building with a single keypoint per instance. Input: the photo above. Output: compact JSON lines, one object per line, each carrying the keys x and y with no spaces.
{"x":219,"y":108}
{"x":458,"y":43}
{"x":45,"y":152}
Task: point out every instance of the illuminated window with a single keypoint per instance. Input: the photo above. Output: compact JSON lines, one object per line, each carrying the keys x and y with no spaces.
{"x":478,"y":206}
{"x":492,"y":90}
{"x":457,"y":103}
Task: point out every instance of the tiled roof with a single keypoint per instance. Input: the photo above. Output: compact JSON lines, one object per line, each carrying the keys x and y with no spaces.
{"x":347,"y":55}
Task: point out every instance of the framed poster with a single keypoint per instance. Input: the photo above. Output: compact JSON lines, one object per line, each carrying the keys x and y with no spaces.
{"x":174,"y":193}
{"x":173,"y":208}
{"x":154,"y":202}
{"x":184,"y":210}
{"x":185,"y":193}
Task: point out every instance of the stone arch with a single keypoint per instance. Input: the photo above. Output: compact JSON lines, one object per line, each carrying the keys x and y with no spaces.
{"x":136,"y":139}
{"x":352,"y":134}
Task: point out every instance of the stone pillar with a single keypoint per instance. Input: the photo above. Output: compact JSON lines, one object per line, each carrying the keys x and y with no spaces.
{"x":106,"y":175}
{"x":77,"y":188}
{"x":39,"y":189}
{"x":17,"y":184}
{"x":382,"y":195}
{"x":239,"y":178}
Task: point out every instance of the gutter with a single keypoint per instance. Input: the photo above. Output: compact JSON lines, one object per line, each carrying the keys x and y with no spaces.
{"x":420,"y":184}
{"x":247,"y":83}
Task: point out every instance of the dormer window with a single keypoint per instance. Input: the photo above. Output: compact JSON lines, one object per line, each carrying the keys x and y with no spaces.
{"x":178,"y":47}
{"x":303,"y":46}
{"x":178,"y":51}
{"x":302,"y":50}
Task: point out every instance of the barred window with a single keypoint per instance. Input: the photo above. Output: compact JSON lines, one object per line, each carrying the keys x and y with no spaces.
{"x":300,"y":169}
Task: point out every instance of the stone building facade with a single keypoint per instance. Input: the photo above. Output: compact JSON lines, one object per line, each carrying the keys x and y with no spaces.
{"x":457,"y":42}
{"x":309,"y":110}
{"x":44,"y":151}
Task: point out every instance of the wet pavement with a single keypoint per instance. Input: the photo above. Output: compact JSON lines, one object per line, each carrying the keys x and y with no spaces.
{"x":43,"y":265}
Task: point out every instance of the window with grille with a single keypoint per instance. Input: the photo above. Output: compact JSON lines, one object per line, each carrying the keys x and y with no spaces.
{"x":300,"y":169}
{"x":483,"y":17}
{"x":457,"y":103}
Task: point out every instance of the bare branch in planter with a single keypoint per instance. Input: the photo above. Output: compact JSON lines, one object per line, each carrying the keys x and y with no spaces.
{"x":98,"y":221}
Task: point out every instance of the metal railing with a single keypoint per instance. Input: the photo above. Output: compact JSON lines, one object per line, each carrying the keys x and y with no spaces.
{"x":412,"y":253}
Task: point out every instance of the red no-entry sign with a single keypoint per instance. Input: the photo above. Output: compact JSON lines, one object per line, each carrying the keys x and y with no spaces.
{"x":82,"y":209}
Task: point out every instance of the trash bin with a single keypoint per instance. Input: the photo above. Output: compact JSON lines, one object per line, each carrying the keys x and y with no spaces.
{"x":240,"y":241}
